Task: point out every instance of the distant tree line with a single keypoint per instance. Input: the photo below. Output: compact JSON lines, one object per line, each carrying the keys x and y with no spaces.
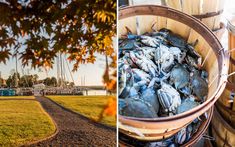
{"x":30,"y":80}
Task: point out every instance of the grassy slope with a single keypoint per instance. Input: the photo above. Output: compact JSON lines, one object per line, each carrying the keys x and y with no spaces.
{"x":89,"y":106}
{"x":22,"y":121}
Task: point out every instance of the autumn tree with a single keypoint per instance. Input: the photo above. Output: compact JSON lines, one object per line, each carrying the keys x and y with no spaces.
{"x":37,"y":31}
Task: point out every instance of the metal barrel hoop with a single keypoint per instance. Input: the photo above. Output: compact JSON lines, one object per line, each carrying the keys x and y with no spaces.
{"x":207,"y":15}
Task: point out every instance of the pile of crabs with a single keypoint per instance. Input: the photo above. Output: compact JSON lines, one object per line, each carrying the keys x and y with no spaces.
{"x":159,"y":74}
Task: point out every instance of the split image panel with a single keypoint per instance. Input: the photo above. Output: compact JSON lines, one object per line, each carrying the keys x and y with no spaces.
{"x":57,"y":73}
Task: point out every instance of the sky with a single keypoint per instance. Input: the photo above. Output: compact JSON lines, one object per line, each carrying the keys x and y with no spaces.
{"x":92,"y":72}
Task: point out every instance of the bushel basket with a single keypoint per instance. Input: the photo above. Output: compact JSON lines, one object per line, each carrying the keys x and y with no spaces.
{"x":141,"y":19}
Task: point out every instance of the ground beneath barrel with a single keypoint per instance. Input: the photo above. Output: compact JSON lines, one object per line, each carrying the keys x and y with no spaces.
{"x":75,"y":130}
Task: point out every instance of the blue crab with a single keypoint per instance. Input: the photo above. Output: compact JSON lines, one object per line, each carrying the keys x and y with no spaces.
{"x":169,"y":97}
{"x":144,"y":63}
{"x":140,"y":75}
{"x":149,"y":52}
{"x":150,"y":41}
{"x":199,"y":86}
{"x":136,"y":107}
{"x":178,"y":54}
{"x":187,"y":104}
{"x":180,"y":78}
{"x":164,"y":58}
{"x":149,"y":95}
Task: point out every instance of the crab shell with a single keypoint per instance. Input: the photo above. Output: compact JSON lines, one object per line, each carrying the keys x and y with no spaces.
{"x":178,"y":54}
{"x":176,"y":40}
{"x":149,"y":41}
{"x":164,"y":57}
{"x":186,"y":105}
{"x":136,"y":107}
{"x":148,"y":51}
{"x":143,"y":63}
{"x":140,"y":75}
{"x":179,"y":76}
{"x":200,"y":87}
{"x":169,"y":98}
{"x":150,"y":96}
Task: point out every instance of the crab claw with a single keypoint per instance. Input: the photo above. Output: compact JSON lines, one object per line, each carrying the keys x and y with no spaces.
{"x":186,"y":90}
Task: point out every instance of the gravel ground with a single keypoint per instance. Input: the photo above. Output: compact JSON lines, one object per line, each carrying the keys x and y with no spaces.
{"x":75,"y":130}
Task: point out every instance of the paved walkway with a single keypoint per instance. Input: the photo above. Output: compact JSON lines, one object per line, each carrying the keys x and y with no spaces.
{"x":75,"y":130}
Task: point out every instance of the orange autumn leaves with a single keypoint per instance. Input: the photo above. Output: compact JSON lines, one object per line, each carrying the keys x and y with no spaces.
{"x":111,"y":107}
{"x":109,"y":110}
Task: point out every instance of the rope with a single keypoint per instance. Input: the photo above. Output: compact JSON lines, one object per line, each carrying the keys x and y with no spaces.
{"x":207,"y":55}
{"x":231,"y":74}
{"x":213,"y":80}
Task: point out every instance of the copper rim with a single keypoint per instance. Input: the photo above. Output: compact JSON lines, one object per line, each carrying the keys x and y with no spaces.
{"x":222,"y":59}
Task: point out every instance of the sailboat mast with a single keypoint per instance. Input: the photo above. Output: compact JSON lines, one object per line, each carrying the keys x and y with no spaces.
{"x":16,"y":77}
{"x":58,"y":70}
{"x":69,"y":71}
{"x":61,"y":71}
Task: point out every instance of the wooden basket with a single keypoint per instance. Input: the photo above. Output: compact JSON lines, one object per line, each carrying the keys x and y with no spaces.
{"x":139,"y":19}
{"x":223,"y":133}
{"x":225,"y":105}
{"x":231,"y":45}
{"x":209,"y":12}
{"x":195,"y":138}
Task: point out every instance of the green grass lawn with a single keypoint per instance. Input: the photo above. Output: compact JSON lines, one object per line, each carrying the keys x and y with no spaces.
{"x":23,"y":121}
{"x":18,"y":97}
{"x":89,"y":106}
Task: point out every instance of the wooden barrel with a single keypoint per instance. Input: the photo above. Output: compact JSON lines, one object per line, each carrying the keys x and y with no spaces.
{"x":226,"y":104}
{"x":140,"y":19}
{"x":227,"y":114}
{"x":223,"y":133}
{"x":209,"y":12}
{"x":231,"y":45}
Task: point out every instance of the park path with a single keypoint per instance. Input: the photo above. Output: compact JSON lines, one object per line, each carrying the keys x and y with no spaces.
{"x":75,"y":130}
